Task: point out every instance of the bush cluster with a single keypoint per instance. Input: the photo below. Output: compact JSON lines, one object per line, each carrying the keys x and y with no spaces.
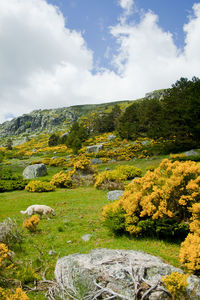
{"x":31,"y":223}
{"x":12,"y":185}
{"x":62,"y":180}
{"x":83,"y":164}
{"x":10,"y":181}
{"x":114,"y":179}
{"x":9,"y":232}
{"x":39,"y":186}
{"x":166,"y":193}
{"x":176,"y":283}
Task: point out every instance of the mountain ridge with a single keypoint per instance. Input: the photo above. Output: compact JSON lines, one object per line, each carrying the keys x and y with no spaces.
{"x":52,"y":120}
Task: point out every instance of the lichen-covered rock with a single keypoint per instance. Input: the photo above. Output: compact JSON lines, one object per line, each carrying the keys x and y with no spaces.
{"x":191,"y":153}
{"x":105,"y":273}
{"x":111,"y":137}
{"x":114,"y":195}
{"x":96,"y":161}
{"x":94,"y":148}
{"x":35,"y":171}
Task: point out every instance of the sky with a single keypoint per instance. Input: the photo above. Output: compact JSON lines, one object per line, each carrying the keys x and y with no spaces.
{"x":59,"y":53}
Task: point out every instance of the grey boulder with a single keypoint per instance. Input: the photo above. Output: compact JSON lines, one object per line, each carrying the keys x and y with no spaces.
{"x":35,"y":171}
{"x":121,"y":274}
{"x":94,"y":148}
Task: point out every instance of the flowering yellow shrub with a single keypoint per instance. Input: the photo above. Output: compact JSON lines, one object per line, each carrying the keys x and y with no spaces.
{"x":195,"y":219}
{"x":39,"y":186}
{"x":176,"y":284}
{"x":58,"y":162}
{"x":129,"y":171}
{"x":82,"y":163}
{"x":167,"y":192}
{"x":177,"y":156}
{"x":190,"y":252}
{"x":6,"y":294}
{"x":4,"y":252}
{"x":31,"y":223}
{"x":62,"y":179}
{"x":41,"y":161}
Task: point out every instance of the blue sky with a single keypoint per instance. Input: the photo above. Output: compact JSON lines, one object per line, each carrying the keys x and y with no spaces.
{"x":94,"y":17}
{"x":59,"y":53}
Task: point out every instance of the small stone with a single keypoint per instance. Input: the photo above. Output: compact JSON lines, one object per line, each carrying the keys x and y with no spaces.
{"x":191,"y":153}
{"x":86,"y":237}
{"x":114,"y":195}
{"x":52,"y":252}
{"x":111,"y":137}
{"x":96,"y":161}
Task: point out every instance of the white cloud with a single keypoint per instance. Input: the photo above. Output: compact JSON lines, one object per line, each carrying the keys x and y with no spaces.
{"x":43,"y":64}
{"x":127,"y":6}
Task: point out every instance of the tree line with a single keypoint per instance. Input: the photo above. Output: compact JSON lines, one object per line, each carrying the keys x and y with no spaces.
{"x":174,"y":116}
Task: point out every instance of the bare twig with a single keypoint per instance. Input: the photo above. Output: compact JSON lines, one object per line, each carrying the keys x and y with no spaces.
{"x":109,"y":291}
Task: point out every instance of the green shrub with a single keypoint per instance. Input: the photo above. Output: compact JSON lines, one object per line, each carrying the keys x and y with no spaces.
{"x":9,"y":232}
{"x":39,"y":186}
{"x":27,"y":274}
{"x":164,"y":228}
{"x":7,"y":174}
{"x":115,"y":221}
{"x":12,"y":185}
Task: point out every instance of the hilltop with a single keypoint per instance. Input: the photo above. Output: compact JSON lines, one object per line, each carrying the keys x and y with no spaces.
{"x":53,"y":120}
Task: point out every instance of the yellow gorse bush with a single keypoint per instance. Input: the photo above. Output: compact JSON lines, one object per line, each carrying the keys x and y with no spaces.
{"x":190,"y":248}
{"x":190,"y":252}
{"x":195,"y":219}
{"x":62,"y":179}
{"x":39,"y":186}
{"x":176,"y":283}
{"x":6,"y":294}
{"x":167,"y":192}
{"x":31,"y":223}
{"x":4,"y":253}
{"x":83,"y":164}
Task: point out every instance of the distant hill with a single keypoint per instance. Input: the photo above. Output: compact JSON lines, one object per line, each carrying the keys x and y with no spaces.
{"x":52,"y":120}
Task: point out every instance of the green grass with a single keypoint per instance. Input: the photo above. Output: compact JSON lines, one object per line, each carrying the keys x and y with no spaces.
{"x":142,"y":163}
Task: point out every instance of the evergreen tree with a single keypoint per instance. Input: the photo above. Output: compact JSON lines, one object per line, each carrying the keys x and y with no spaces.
{"x":77,"y":135}
{"x":53,"y":140}
{"x":9,"y":144}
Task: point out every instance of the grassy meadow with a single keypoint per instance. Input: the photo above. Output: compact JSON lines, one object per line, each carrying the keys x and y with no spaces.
{"x":78,"y":212}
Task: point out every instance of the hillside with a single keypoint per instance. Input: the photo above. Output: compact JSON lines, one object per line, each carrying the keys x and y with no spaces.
{"x":52,"y":120}
{"x":112,"y":151}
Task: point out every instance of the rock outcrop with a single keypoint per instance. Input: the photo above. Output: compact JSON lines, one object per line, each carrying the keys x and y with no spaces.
{"x":39,"y":120}
{"x":94,"y":148}
{"x":35,"y":171}
{"x":105,"y":273}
